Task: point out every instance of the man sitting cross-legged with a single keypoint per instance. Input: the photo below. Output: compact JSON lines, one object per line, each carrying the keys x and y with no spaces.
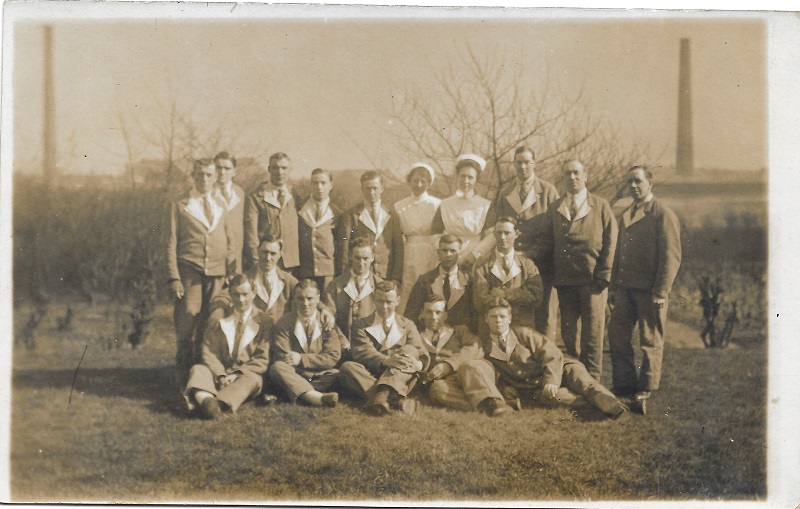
{"x":448,"y":348}
{"x":304,"y":353}
{"x":387,"y":352}
{"x":529,"y":365}
{"x":234,"y":356}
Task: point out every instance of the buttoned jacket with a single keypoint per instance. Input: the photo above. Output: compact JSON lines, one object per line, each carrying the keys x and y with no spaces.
{"x":387,"y":246}
{"x":235,"y":208}
{"x":533,"y":361}
{"x":339,"y":297}
{"x":460,"y":310}
{"x":648,"y":253}
{"x":524,"y":291}
{"x":581,"y":249}
{"x":263,"y":216}
{"x":317,"y":241}
{"x":368,"y":350}
{"x":317,"y":356}
{"x":455,"y":345}
{"x":219,"y":340}
{"x":193,"y":241}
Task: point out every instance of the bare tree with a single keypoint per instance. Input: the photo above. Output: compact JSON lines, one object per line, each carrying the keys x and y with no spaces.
{"x":478,"y":104}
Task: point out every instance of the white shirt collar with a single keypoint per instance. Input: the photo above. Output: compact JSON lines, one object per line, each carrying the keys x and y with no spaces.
{"x":509,"y":257}
{"x":386,"y":321}
{"x":227,"y":188}
{"x":375,"y":206}
{"x":453,"y":274}
{"x":302,"y":319}
{"x":648,"y":198}
{"x":527,"y":184}
{"x":322,"y":204}
{"x":580,"y":197}
{"x":462,"y":194}
{"x":360,"y":279}
{"x":194,"y":193}
{"x":245,"y":316}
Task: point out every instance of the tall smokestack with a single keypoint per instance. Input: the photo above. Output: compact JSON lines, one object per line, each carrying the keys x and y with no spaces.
{"x":685,"y":157}
{"x":49,"y":135}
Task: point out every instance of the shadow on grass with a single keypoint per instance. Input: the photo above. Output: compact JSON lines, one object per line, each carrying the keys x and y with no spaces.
{"x":153,"y":385}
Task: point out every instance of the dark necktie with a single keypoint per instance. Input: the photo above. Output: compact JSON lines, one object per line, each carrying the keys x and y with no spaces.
{"x":309,"y":333}
{"x":503,"y":343}
{"x":387,"y":327}
{"x":446,"y":290}
{"x":281,"y":196}
{"x":523,"y":194}
{"x":506,"y":266}
{"x":237,"y":341}
{"x":573,"y":209}
{"x":635,"y":209}
{"x":318,"y":215}
{"x":374,"y":215}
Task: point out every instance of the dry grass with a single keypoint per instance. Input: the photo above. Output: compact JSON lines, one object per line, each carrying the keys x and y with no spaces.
{"x":126,"y":437}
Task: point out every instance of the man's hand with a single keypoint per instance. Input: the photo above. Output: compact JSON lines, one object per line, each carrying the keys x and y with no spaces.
{"x":292,"y":358}
{"x":176,"y":289}
{"x":549,"y":391}
{"x":467,"y":263}
{"x":227,"y":380}
{"x":659,"y":302}
{"x":441,"y":370}
{"x":327,"y":319}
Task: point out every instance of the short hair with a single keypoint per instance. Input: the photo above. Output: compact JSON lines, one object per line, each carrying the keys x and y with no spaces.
{"x":470,"y":163}
{"x":360,"y":242}
{"x":387,"y":286}
{"x":433,"y":299}
{"x":322,"y":171}
{"x":270,"y":239}
{"x":507,"y":219}
{"x":419,"y":170}
{"x":371,"y":175}
{"x":568,"y":161}
{"x":523,"y":149}
{"x":645,"y":169}
{"x":224,"y":155}
{"x":202,"y":163}
{"x":240,"y":279}
{"x":449,"y":239}
{"x":497,"y":302}
{"x":304,"y":284}
{"x":277,"y":156}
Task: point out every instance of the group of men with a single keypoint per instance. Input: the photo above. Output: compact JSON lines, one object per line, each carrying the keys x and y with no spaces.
{"x":311,"y":306}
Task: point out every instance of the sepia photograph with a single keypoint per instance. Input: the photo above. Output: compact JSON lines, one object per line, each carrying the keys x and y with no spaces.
{"x":395,"y":255}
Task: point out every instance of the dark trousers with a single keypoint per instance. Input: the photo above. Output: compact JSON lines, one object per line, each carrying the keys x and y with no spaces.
{"x":295,"y":385}
{"x":631,"y":308}
{"x":191,"y":317}
{"x":587,"y":304}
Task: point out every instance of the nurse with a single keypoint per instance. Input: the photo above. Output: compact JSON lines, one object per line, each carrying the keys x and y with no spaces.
{"x":416,"y":214}
{"x":466,"y":214}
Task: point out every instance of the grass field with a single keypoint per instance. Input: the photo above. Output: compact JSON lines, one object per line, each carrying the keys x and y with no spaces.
{"x":126,"y":437}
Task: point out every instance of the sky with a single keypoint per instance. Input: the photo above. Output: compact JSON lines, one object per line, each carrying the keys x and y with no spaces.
{"x":320,"y":88}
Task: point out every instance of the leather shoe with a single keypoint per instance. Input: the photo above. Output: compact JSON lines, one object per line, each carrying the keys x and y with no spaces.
{"x":515,"y":403}
{"x":267,"y":399}
{"x":499,"y":408}
{"x":640,"y":399}
{"x":209,"y":408}
{"x":378,"y":409}
{"x":329,"y":399}
{"x":409,"y":406}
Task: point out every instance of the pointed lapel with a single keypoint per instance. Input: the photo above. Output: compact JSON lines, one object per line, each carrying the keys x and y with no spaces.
{"x":228,"y":326}
{"x":250,"y":330}
{"x":261,"y":290}
{"x":352,"y":290}
{"x":386,"y":341}
{"x":444,"y":336}
{"x":513,"y":272}
{"x":277,"y":289}
{"x":308,"y":214}
{"x":585,"y":208}
{"x":496,"y":352}
{"x":628,"y":220}
{"x":366,"y":218}
{"x":563,"y":208}
{"x":194,"y":207}
{"x":513,"y":199}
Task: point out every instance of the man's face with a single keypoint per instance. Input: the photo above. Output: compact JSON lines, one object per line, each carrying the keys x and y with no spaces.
{"x":499,"y":320}
{"x":505,"y":234}
{"x":418,"y":184}
{"x":320,"y":186}
{"x":574,"y":176}
{"x":639,"y":186}
{"x":525,"y":166}
{"x":225,"y":171}
{"x":268,"y":255}
{"x":467,"y":177}
{"x":204,"y":178}
{"x":306,"y":300}
{"x":448,"y":254}
{"x":385,"y":303}
{"x":242,"y":296}
{"x":361,"y":260}
{"x":372,"y":190}
{"x":434,"y":315}
{"x":279,"y":170}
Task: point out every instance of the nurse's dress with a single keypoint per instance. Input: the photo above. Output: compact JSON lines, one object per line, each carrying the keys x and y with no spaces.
{"x":466,"y":217}
{"x":416,"y":219}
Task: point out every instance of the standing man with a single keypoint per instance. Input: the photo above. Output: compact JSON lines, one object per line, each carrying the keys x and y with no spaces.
{"x":200,"y":254}
{"x":507,"y":274}
{"x":526,"y":198}
{"x":647,"y":260}
{"x":371,"y":220}
{"x":318,"y":220}
{"x":447,"y":281}
{"x":233,"y":198}
{"x":350,"y":296}
{"x":530,"y":366}
{"x":580,"y":239}
{"x":304,"y":353}
{"x":273,"y":210}
{"x":235,"y":356}
{"x":387,"y":352}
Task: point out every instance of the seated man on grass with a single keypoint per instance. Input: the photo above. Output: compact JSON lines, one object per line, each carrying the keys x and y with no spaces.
{"x":387,"y":353}
{"x":528,"y":365}
{"x":304,"y":353}
{"x":235,"y":356}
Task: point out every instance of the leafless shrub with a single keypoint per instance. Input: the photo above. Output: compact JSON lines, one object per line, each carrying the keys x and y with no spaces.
{"x":712,"y":335}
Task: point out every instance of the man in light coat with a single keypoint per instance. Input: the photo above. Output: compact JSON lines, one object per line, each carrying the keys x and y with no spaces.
{"x":232,"y":197}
